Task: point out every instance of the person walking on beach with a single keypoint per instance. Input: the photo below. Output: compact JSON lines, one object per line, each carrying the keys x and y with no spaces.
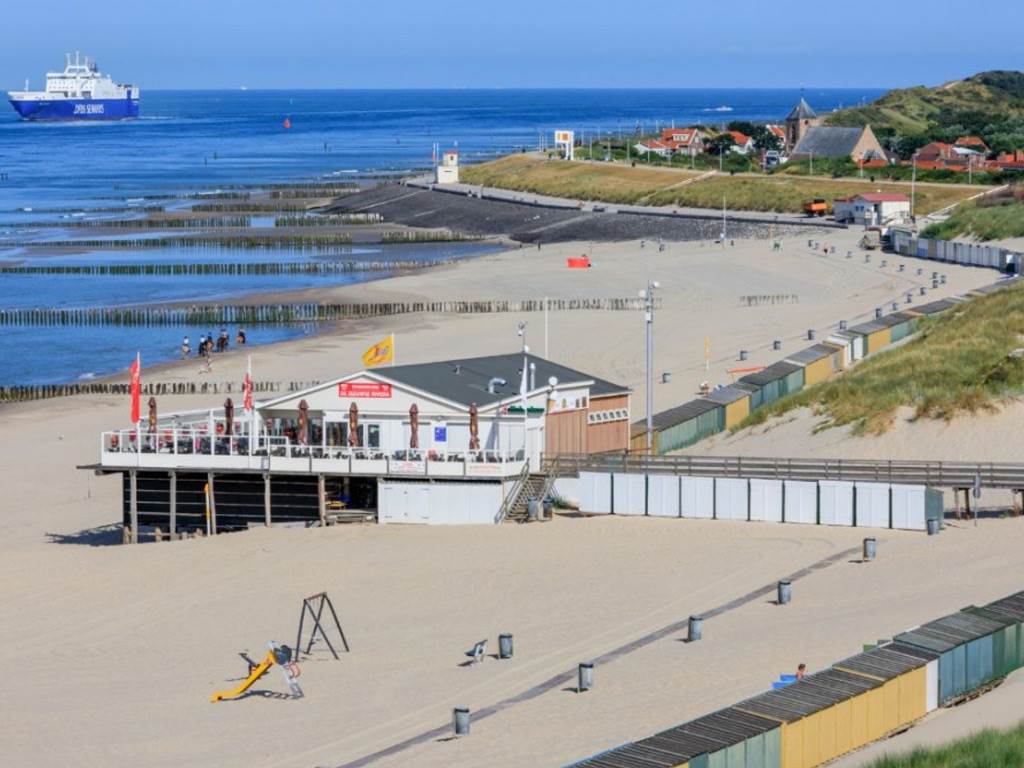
{"x":240,"y":338}
{"x":186,"y":350}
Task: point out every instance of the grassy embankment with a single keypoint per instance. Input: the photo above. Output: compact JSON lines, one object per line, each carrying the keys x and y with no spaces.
{"x":993,"y":217}
{"x":986,"y":749}
{"x":614,"y":183}
{"x":958,"y":363}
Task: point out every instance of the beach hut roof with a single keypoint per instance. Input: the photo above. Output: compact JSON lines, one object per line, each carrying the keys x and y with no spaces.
{"x":726,"y":395}
{"x":772,"y":373}
{"x":1009,"y":606}
{"x":809,"y":355}
{"x":681,"y":413}
{"x":950,"y":631}
{"x":884,"y":663}
{"x":934,"y":307}
{"x":871,"y":326}
{"x":896,"y":318}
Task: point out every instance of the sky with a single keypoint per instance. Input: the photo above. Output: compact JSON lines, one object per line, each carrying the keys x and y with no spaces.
{"x":512,"y":43}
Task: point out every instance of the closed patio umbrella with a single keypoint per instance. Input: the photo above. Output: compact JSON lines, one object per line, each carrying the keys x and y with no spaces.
{"x":229,"y":417}
{"x":474,"y":428}
{"x":414,"y":426}
{"x":353,"y":425}
{"x":303,"y":422}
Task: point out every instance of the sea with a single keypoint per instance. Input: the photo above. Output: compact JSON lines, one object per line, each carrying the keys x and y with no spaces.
{"x":191,"y":142}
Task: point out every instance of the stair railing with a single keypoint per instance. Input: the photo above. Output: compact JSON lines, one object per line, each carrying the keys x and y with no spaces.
{"x":513,"y":494}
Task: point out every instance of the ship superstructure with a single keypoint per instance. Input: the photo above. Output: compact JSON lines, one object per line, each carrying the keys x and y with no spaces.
{"x":80,"y":92}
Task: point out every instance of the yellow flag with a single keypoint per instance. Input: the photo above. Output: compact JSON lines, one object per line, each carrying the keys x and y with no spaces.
{"x":381,"y":352}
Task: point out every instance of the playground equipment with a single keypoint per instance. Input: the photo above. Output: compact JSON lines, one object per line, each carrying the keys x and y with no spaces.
{"x":279,"y":655}
{"x":314,"y":605}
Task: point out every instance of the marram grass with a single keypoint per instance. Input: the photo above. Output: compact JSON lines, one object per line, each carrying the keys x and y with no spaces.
{"x":958,"y":362}
{"x":986,"y":749}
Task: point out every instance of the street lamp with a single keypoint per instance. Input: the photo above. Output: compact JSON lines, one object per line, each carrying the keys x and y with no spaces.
{"x":647,"y":294}
{"x":913,"y":183}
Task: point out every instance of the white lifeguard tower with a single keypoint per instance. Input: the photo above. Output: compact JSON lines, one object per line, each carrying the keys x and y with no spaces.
{"x":447,"y":172}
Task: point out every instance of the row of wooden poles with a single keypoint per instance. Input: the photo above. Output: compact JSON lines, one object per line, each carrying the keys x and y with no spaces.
{"x":256,"y":314}
{"x":47,"y":391}
{"x":211,"y":222}
{"x":244,"y":268}
{"x":292,"y":241}
{"x":769,"y":298}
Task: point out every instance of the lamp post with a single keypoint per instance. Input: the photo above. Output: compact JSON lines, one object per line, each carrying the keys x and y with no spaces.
{"x":647,"y":294}
{"x":523,"y":389}
{"x":913,"y":183}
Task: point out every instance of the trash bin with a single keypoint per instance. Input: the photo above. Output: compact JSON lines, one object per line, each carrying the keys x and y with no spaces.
{"x":586,"y":677}
{"x":870,"y":546}
{"x":785,"y":592}
{"x":505,"y":646}
{"x":461,"y":717}
{"x":549,"y":508}
{"x":695,"y":633}
{"x":533,"y":510}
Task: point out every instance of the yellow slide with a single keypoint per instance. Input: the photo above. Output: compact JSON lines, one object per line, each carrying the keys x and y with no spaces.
{"x":257,"y":672}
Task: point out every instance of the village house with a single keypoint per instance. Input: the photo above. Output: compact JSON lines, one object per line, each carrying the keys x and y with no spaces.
{"x":872,"y":209}
{"x":653,"y":146}
{"x":686,"y":141}
{"x":743,"y":145}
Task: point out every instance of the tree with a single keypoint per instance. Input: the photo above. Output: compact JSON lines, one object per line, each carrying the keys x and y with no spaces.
{"x":764,"y":139}
{"x":745,"y":127}
{"x":720,"y":144}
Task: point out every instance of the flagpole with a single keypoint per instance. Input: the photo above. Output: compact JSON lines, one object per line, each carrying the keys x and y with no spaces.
{"x":392,"y":350}
{"x":247,"y":398}
{"x":138,"y":394}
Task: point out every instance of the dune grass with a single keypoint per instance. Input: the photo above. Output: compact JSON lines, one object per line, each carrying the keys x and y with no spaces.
{"x":985,"y":749}
{"x":619,"y":183}
{"x":957,"y":363}
{"x":984,"y":222}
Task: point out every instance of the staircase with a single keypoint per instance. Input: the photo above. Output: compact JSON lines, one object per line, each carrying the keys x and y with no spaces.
{"x":531,"y":486}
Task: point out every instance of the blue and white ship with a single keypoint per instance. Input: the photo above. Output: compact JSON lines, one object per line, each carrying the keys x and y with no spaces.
{"x":80,"y":92}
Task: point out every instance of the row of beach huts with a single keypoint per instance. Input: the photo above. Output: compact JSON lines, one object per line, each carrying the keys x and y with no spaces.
{"x":726,"y":407}
{"x":859,"y":700}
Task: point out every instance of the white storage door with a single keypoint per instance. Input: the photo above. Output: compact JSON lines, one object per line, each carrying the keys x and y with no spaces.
{"x":858,"y":347}
{"x":732,"y":499}
{"x":697,"y":497}
{"x":629,"y":494}
{"x":835,"y":502}
{"x":801,"y":502}
{"x":391,"y":504}
{"x":872,"y":505}
{"x":931,"y":690}
{"x":908,"y":507}
{"x":596,"y":492}
{"x":663,"y":495}
{"x":766,"y":500}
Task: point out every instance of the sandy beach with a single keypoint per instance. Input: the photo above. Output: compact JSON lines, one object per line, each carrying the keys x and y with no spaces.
{"x":120,"y":647}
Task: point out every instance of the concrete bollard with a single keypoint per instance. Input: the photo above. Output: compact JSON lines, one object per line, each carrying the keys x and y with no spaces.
{"x":935,"y":275}
{"x":878,"y":312}
{"x":461,"y":717}
{"x":849,"y":254}
{"x":933,"y":526}
{"x":942,"y":279}
{"x":867,"y":257}
{"x":870,"y":546}
{"x":505,"y":646}
{"x":785,"y":592}
{"x":696,"y":629}
{"x":842,"y":325}
{"x":743,"y":354}
{"x":585,"y":677}
{"x":920,"y":271}
{"x":810,"y":334}
{"x":666,"y":377}
{"x":777,"y":345}
{"x":885,"y":263}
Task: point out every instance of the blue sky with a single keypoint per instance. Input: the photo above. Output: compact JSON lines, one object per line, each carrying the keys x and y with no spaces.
{"x":513,"y":43}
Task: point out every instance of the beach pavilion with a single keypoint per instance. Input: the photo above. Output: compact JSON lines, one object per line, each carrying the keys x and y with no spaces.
{"x":442,"y":442}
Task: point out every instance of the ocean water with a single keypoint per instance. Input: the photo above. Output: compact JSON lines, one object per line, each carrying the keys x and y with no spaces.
{"x":188,"y":142}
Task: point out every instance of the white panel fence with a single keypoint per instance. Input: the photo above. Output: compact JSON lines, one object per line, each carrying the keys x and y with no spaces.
{"x":823,"y":502}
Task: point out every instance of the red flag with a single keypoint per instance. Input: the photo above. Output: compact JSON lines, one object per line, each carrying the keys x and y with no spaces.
{"x":247,"y":388}
{"x":135,"y":372}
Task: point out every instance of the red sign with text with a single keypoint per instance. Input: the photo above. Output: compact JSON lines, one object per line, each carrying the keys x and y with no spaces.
{"x":371,"y":389}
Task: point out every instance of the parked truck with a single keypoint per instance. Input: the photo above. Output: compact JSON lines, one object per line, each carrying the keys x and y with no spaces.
{"x":816,"y":207}
{"x":872,"y":239}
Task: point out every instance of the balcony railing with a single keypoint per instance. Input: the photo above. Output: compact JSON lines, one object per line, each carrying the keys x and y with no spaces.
{"x":197,"y":449}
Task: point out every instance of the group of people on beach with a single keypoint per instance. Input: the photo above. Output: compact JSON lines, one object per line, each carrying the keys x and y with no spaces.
{"x":208,"y":345}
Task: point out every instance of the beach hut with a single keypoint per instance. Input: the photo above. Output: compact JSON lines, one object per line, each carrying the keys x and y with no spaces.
{"x":629,"y":493}
{"x":775,"y":381}
{"x":734,"y":401}
{"x":697,"y":497}
{"x":914,"y":505}
{"x":873,"y":505}
{"x":596,"y":492}
{"x":876,"y":336}
{"x":753,"y":390}
{"x":850,"y":346}
{"x":687,"y":424}
{"x":1012,"y":607}
{"x":835,"y":502}
{"x":900,"y":324}
{"x":933,"y":307}
{"x":1006,"y":650}
{"x":732,"y":498}
{"x":823,"y":716}
{"x":909,"y":679}
{"x":766,"y":500}
{"x":800,"y":501}
{"x":819,"y":362}
{"x":965,"y":643}
{"x":663,"y":495}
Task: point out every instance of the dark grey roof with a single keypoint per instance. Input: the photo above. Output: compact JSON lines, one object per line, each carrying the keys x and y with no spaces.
{"x":726,"y":395}
{"x":896,"y":318}
{"x":826,"y":141}
{"x":802,"y":111}
{"x":934,"y":307}
{"x":465,"y":381}
{"x":772,"y":373}
{"x":681,"y":413}
{"x":809,"y":355}
{"x":863,"y":329}
{"x":883,"y":663}
{"x":950,"y":631}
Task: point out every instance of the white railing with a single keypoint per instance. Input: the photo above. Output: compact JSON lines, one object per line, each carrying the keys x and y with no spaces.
{"x":195,"y":448}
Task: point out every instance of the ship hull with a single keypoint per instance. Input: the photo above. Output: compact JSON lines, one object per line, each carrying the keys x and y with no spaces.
{"x":76,"y":109}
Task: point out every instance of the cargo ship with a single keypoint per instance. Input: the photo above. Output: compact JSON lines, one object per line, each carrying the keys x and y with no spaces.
{"x":80,"y":92}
